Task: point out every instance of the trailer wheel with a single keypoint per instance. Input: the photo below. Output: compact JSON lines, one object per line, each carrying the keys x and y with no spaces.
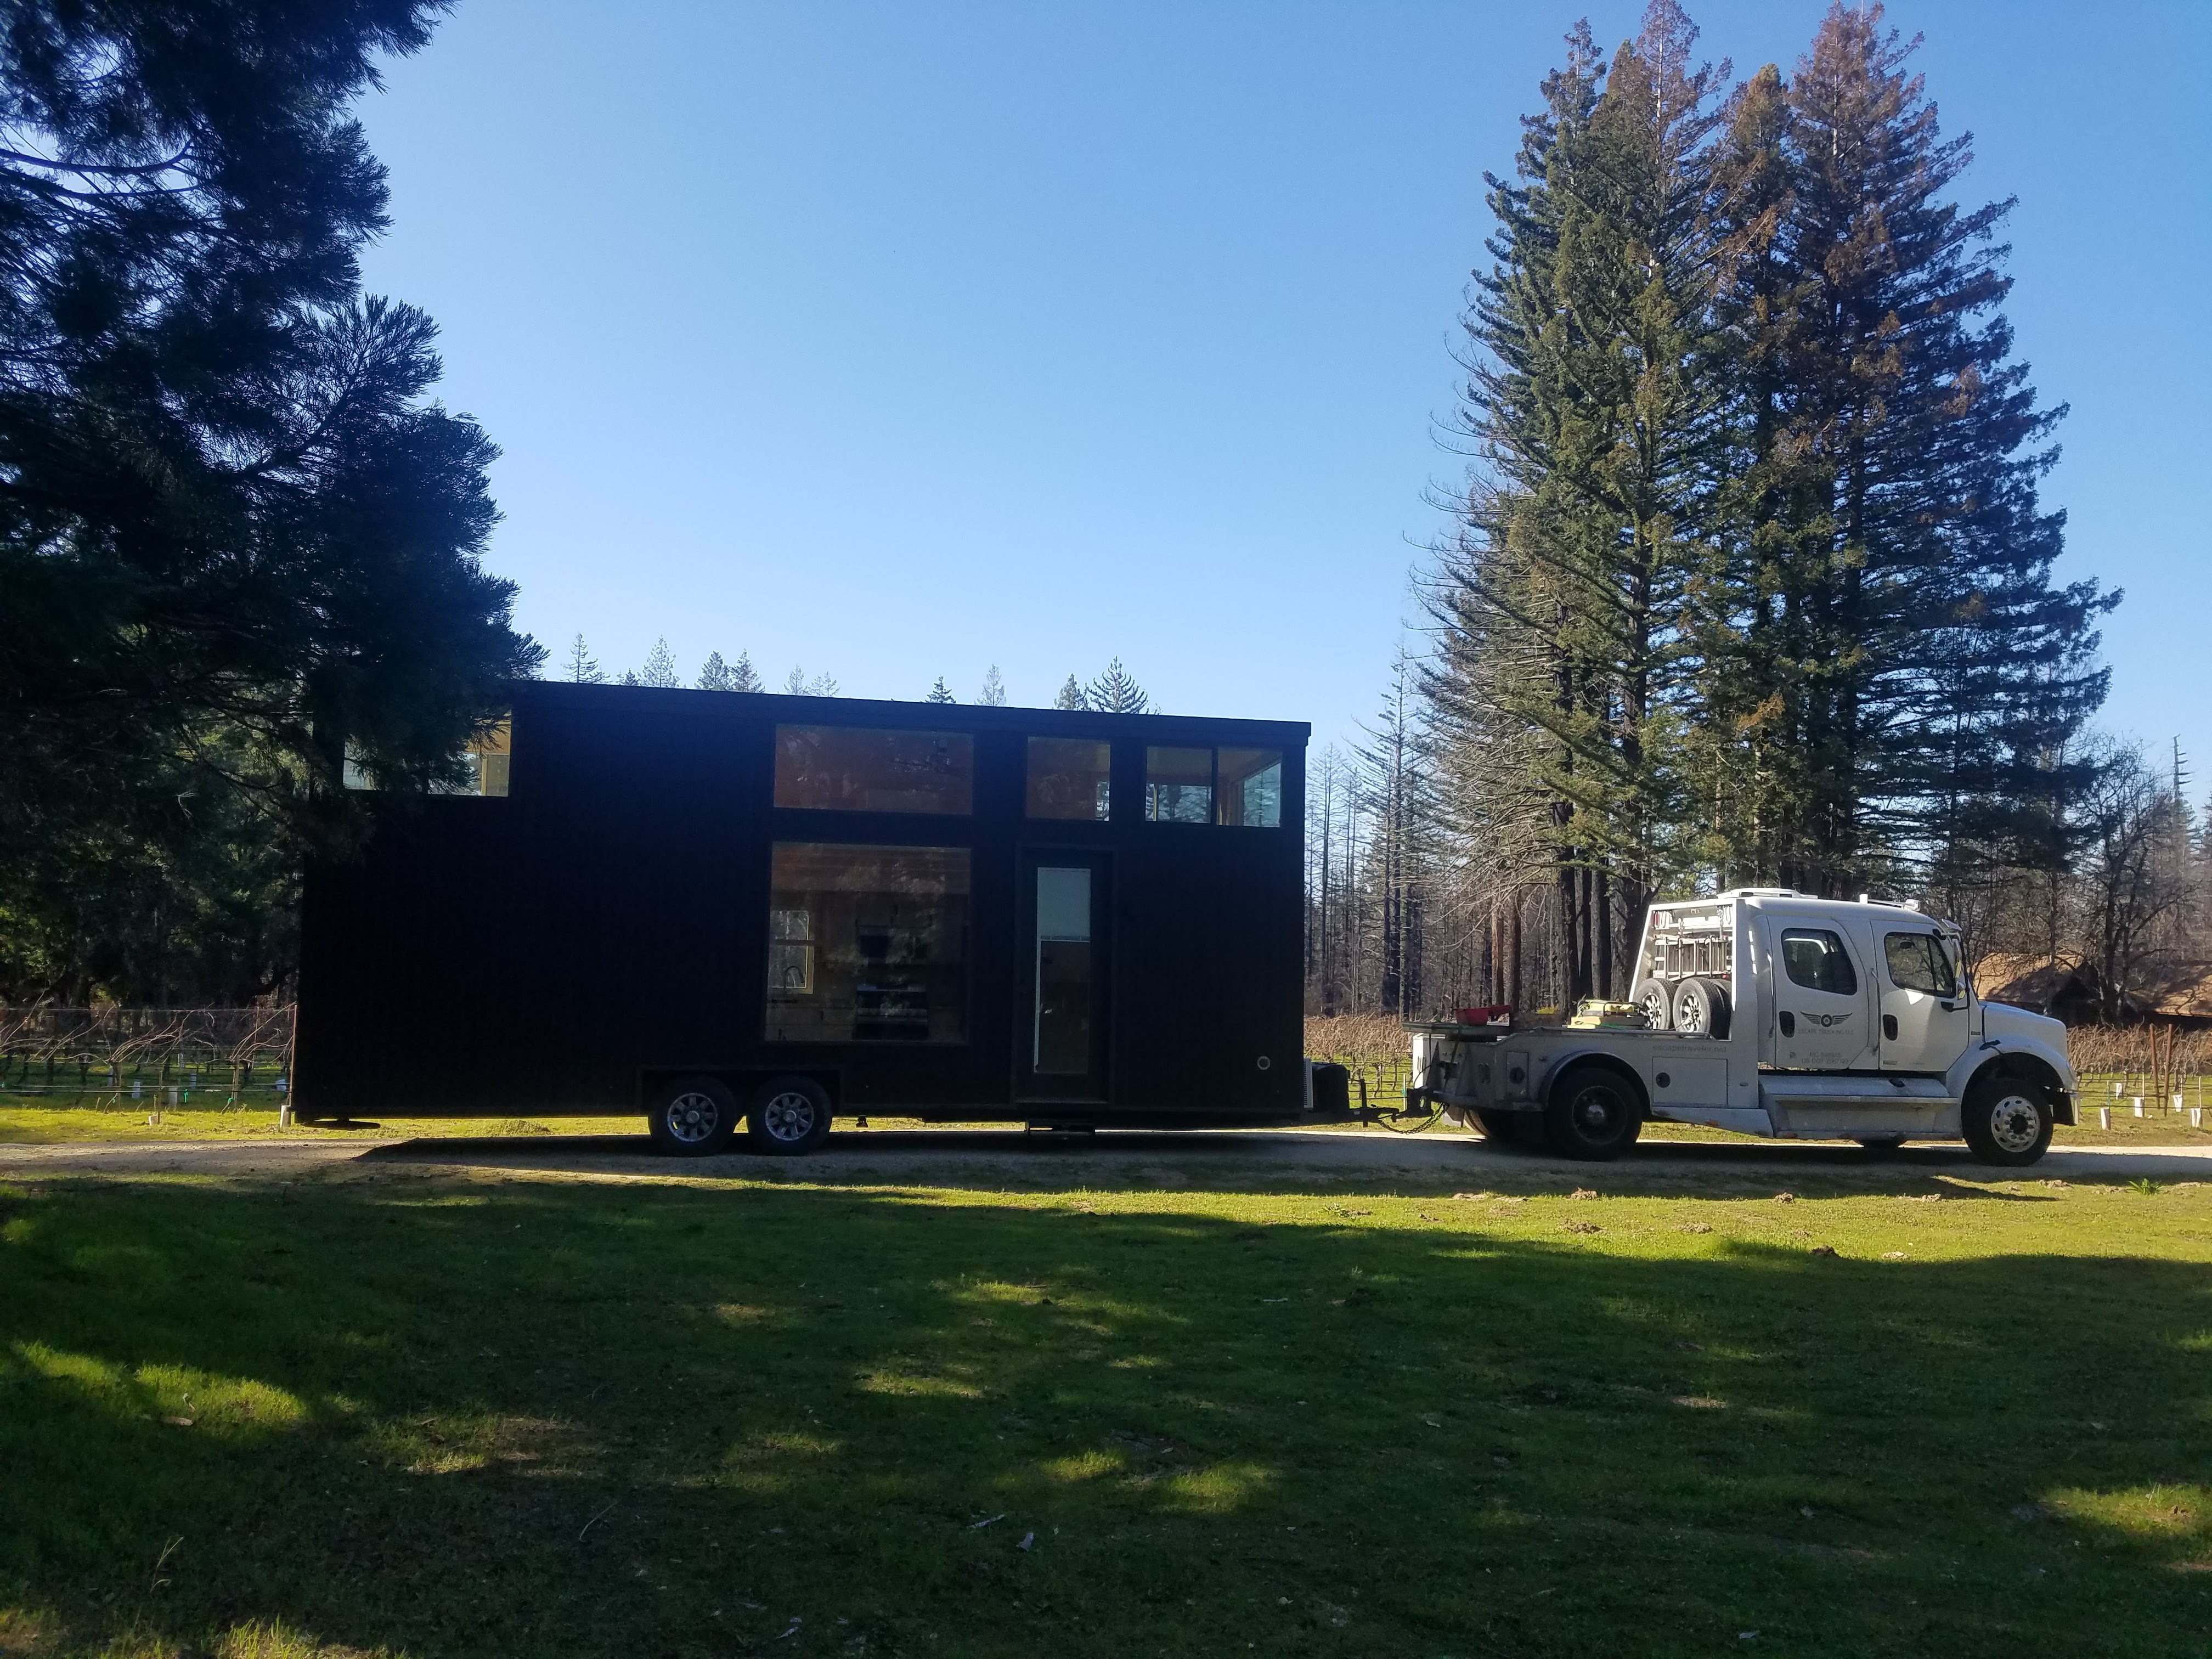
{"x":1701,"y":1008}
{"x":1657,"y":1007}
{"x":790,"y":1117}
{"x":693,"y":1117}
{"x":1594,"y":1114}
{"x":2006,"y":1120}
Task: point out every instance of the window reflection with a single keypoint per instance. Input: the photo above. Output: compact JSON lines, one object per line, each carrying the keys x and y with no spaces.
{"x":1814,"y":958}
{"x":1179,"y":786}
{"x":863,"y":769}
{"x":1918,"y":962}
{"x":486,"y":758}
{"x":1252,"y":788}
{"x":868,"y":944}
{"x":1242,"y":787}
{"x":1070,"y":778}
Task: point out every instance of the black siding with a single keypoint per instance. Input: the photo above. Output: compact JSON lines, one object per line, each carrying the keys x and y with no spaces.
{"x":557,"y":950}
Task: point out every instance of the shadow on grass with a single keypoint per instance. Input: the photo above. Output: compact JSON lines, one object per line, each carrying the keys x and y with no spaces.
{"x":602,"y":1419}
{"x":1287,"y":1163}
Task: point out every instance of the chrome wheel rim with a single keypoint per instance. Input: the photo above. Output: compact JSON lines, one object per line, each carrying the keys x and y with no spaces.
{"x":692,"y":1117}
{"x":788,"y":1116}
{"x":1654,"y":1007}
{"x":2016,"y":1124}
{"x":1690,"y":1015}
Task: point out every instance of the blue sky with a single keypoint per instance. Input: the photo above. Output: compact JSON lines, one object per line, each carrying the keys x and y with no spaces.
{"x":899,"y":340}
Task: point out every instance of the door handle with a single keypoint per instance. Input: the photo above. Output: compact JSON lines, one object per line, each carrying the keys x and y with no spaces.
{"x":1889,"y":1026}
{"x":1789,"y":1023}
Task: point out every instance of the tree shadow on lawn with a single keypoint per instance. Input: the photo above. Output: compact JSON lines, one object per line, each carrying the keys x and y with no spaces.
{"x":602,"y":1419}
{"x":1002,"y":1159}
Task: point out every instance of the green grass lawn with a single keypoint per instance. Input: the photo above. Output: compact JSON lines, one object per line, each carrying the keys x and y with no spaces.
{"x":390,"y":1410}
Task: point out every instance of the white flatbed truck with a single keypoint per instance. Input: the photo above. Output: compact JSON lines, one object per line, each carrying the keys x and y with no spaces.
{"x":1771,"y":1013}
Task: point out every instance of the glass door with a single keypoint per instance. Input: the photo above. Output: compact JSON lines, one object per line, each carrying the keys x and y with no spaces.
{"x":1061,"y":1021}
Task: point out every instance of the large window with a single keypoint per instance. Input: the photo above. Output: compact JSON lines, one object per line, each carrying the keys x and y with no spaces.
{"x":867,"y":943}
{"x":1815,"y":959}
{"x":1071,"y":778}
{"x":852,"y":769}
{"x":1241,"y":786}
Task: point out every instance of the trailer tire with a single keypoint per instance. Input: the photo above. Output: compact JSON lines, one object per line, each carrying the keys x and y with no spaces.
{"x":1658,"y":1004}
{"x":2007,"y":1120}
{"x":1596,"y":1113}
{"x":790,"y":1117}
{"x":1701,"y":1008}
{"x":693,"y":1117}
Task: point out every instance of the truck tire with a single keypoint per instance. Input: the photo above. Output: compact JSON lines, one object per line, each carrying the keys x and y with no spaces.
{"x":1701,"y":1008}
{"x":1651,"y":997}
{"x":1596,"y":1113}
{"x":693,"y":1117}
{"x":790,"y":1117}
{"x":2006,"y":1120}
{"x":1508,"y":1129}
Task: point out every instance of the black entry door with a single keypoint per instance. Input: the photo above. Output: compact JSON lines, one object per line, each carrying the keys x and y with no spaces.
{"x":1059,"y":1021}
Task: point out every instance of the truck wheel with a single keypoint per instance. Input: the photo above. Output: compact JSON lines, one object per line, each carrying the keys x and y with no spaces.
{"x":1701,"y":1008}
{"x":790,"y":1117}
{"x":1596,"y":1113}
{"x":693,"y":1117}
{"x":1651,"y":998}
{"x":2006,"y":1120}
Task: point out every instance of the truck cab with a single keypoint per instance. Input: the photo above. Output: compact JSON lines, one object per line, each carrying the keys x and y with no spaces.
{"x":1770,"y":1012}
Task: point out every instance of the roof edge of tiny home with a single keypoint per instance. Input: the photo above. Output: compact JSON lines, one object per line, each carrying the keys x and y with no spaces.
{"x":921,"y":715}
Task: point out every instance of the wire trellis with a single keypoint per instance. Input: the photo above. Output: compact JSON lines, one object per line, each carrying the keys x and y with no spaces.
{"x":111,"y":1054}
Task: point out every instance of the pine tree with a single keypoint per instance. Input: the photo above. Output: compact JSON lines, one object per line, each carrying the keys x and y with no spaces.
{"x":799,"y":685}
{"x":940,"y":692}
{"x":1914,"y":671}
{"x":743,"y":677}
{"x":993,"y":694}
{"x":1071,"y":695}
{"x":582,"y":667}
{"x":1564,"y":600}
{"x":714,"y":673}
{"x":239,"y":537}
{"x":1113,"y":692}
{"x":659,"y":668}
{"x":629,"y":677}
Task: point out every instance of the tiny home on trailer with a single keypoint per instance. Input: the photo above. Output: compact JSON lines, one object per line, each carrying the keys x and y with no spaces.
{"x":731,"y":908}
